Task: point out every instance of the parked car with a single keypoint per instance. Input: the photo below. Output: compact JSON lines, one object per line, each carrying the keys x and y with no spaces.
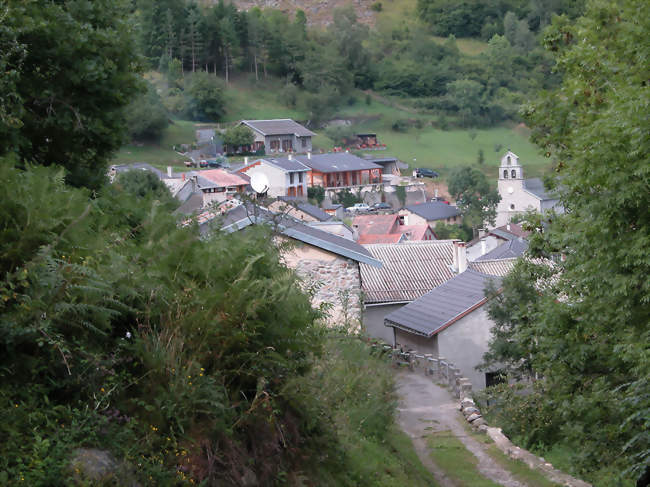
{"x":423,"y":172}
{"x":358,"y":208}
{"x":381,"y":206}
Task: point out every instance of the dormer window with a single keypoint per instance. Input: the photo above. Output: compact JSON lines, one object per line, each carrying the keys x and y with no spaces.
{"x":513,"y":174}
{"x":505,"y":174}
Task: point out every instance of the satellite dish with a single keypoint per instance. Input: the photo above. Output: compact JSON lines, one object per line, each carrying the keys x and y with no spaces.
{"x":259,"y":183}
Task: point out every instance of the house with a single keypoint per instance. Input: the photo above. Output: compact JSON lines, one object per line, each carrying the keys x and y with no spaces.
{"x":285,"y":176}
{"x":279,"y":135}
{"x":388,"y":229}
{"x":334,"y":209}
{"x":450,"y":321}
{"x":430,"y":213}
{"x":519,"y":194}
{"x":300,"y":210}
{"x":389,"y":165}
{"x":218,"y":185}
{"x":340,"y":170}
{"x":494,"y":238}
{"x":409,"y":270}
{"x":327,"y":263}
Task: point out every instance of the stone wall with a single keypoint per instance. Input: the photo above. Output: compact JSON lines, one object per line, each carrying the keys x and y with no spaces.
{"x":335,"y":279}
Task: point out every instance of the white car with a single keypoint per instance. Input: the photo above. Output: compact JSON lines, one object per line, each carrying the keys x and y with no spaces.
{"x":358,"y":207}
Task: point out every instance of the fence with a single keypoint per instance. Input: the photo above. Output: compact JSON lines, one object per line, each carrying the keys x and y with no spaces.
{"x":439,"y":369}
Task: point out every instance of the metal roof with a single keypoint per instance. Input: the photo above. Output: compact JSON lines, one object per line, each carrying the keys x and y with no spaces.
{"x":434,"y":210}
{"x":535,"y":186}
{"x":409,"y":270}
{"x":307,"y":208}
{"x":510,"y":231}
{"x":512,"y":248}
{"x":336,"y":162}
{"x":279,"y":126}
{"x":444,"y":305}
{"x":495,"y":267}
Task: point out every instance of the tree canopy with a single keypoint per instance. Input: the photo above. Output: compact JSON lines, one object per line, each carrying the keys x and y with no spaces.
{"x":70,"y":67}
{"x":584,"y":330}
{"x":474,"y":196}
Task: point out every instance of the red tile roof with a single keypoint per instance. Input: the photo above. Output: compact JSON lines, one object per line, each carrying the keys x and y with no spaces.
{"x":223,"y":178}
{"x":381,"y":238}
{"x":375,"y":224}
{"x":415,"y":232}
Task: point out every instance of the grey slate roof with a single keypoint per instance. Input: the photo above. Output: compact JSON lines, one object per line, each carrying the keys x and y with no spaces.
{"x":191,"y":205}
{"x":307,"y":208}
{"x":409,"y":270}
{"x":434,"y":210}
{"x":287,"y":164}
{"x":535,"y":186}
{"x":512,"y":248}
{"x":444,"y":305}
{"x":246,"y":214}
{"x":280,"y":126}
{"x":336,"y":162}
{"x":143,"y":166}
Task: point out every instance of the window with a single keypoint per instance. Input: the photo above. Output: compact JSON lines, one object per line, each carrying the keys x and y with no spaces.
{"x":494,"y":378}
{"x":291,"y":178}
{"x":303,"y":141}
{"x":512,"y":206}
{"x":509,"y":161}
{"x":505,"y":174}
{"x":300,"y":177}
{"x":275,"y":144}
{"x":513,"y":174}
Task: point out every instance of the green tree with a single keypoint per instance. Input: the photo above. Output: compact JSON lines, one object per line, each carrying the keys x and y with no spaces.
{"x":591,"y":321}
{"x":146,"y":116}
{"x":145,"y":184}
{"x":72,"y":68}
{"x":238,"y":135}
{"x":317,"y":193}
{"x":474,"y":197}
{"x":205,"y":100}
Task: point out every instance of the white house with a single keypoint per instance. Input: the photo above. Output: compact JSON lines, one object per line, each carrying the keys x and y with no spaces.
{"x":519,"y":194}
{"x":285,"y":176}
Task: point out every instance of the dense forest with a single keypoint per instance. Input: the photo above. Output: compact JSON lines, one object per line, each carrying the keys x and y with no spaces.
{"x":201,"y":360}
{"x":321,"y":66}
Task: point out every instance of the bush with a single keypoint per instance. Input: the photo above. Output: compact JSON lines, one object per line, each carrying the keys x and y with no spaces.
{"x":377,"y":7}
{"x":146,"y":117}
{"x":205,"y":97}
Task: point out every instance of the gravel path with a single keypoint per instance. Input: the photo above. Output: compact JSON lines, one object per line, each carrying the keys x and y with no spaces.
{"x":426,"y":407}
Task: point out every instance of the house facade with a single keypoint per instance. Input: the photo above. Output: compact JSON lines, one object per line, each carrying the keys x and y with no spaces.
{"x":217,"y":185}
{"x":279,"y":136}
{"x":518,"y":194}
{"x":449,"y":322}
{"x":430,"y":213}
{"x":285,"y":176}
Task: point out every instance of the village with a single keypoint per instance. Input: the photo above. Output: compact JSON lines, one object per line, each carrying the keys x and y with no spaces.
{"x":377,"y":266}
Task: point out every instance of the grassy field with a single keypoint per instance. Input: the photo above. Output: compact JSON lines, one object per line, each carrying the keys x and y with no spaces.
{"x":438,"y":149}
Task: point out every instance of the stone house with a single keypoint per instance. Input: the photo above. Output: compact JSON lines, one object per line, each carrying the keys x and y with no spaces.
{"x":494,"y":238}
{"x":300,"y":210}
{"x":327,"y":263}
{"x":518,"y":194}
{"x":409,"y":270}
{"x":279,"y":135}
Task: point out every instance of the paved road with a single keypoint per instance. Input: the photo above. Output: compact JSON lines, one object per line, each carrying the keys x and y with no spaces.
{"x":425,"y":407}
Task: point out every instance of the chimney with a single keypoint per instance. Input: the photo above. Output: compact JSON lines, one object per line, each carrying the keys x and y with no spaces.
{"x":308,"y":155}
{"x":454,"y":263}
{"x":183,"y":176}
{"x":169,"y":171}
{"x":290,"y":157}
{"x":245,"y":159}
{"x":483,"y":247}
{"x":508,"y":227}
{"x":462,"y":257}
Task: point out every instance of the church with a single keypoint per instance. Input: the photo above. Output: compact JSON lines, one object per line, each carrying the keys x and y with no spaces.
{"x":519,"y":194}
